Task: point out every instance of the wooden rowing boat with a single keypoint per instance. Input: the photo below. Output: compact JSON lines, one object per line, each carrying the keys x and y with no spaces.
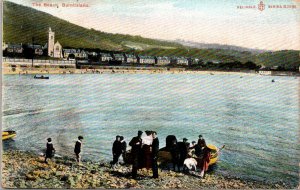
{"x":8,"y":135}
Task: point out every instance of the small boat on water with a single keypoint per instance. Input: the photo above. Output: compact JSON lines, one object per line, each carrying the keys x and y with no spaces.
{"x":41,"y":77}
{"x":8,"y":135}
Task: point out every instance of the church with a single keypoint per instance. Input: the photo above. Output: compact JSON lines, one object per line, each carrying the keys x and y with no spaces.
{"x":54,"y":49}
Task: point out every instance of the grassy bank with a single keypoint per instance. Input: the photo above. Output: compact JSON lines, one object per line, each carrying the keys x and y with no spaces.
{"x":26,"y":170}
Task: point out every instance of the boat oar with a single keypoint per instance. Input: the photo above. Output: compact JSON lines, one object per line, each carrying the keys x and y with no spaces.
{"x":221,"y":148}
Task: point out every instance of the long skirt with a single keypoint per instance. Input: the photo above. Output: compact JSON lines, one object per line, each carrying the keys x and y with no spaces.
{"x":147,"y":157}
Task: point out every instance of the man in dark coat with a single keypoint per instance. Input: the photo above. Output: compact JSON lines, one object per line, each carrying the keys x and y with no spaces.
{"x":116,"y":150}
{"x":183,"y":151}
{"x":123,"y":147}
{"x":155,"y":149}
{"x":174,"y":150}
{"x":50,"y":150}
{"x":77,"y":149}
{"x":201,"y":141}
{"x":136,"y":146}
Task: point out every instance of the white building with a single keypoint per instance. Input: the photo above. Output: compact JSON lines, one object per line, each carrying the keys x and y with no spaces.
{"x":54,"y":49}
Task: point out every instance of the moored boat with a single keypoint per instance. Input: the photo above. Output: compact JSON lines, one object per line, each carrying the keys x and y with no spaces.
{"x":41,"y":77}
{"x":8,"y":135}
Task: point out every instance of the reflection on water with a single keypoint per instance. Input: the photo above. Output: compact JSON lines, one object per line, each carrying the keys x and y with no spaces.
{"x":256,"y":119}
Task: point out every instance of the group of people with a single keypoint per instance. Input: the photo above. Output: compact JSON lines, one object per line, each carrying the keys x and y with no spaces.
{"x":199,"y":151}
{"x":50,"y":150}
{"x":144,"y":152}
{"x":118,"y":149}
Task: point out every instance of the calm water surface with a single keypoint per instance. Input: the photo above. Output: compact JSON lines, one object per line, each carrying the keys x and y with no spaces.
{"x":256,"y":119}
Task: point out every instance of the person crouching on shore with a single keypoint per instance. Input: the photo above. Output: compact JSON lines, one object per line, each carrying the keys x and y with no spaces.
{"x":50,"y":150}
{"x":77,"y":149}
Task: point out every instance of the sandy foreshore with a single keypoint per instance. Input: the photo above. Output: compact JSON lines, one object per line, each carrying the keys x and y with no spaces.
{"x":136,"y":71}
{"x":27,"y":170}
{"x":120,"y":71}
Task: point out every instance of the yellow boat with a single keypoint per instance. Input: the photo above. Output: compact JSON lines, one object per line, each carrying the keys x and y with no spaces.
{"x":8,"y":135}
{"x":165,"y":156}
{"x":214,"y":156}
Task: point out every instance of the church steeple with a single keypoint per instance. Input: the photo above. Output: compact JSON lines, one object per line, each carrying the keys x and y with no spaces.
{"x":51,"y":36}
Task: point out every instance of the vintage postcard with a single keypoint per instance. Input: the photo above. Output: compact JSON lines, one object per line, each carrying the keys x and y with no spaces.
{"x":162,"y":94}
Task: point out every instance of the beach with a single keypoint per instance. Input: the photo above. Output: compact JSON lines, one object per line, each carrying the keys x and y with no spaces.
{"x":28,"y":170}
{"x":119,"y":70}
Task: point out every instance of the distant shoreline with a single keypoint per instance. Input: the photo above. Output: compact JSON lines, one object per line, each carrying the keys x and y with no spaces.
{"x":119,"y":70}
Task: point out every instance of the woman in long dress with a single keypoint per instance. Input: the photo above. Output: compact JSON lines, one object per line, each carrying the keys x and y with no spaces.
{"x":206,"y":152}
{"x":146,"y":150}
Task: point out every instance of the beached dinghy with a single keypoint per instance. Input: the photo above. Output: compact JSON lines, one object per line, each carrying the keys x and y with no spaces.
{"x":166,"y":157}
{"x":8,"y":135}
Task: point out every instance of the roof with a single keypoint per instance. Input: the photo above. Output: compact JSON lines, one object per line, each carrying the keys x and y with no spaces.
{"x":57,"y":43}
{"x":105,"y":54}
{"x":130,"y":55}
{"x":163,"y":58}
{"x":14,"y":46}
{"x":146,"y":57}
{"x":181,"y":58}
{"x":69,"y":50}
{"x":35,"y":46}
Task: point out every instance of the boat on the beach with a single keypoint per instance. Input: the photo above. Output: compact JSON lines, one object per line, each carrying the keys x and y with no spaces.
{"x":40,"y":77}
{"x":165,"y":156}
{"x":8,"y":135}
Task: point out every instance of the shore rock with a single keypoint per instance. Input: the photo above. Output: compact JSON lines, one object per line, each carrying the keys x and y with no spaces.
{"x":26,"y":170}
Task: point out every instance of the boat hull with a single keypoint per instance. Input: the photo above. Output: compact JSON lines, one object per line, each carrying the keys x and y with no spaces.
{"x":41,"y":77}
{"x":165,"y":156}
{"x":8,"y":135}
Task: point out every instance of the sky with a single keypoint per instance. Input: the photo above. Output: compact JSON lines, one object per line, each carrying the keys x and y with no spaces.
{"x":204,"y":21}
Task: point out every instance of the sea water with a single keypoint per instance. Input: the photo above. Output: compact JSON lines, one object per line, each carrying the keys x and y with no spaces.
{"x":255,"y":118}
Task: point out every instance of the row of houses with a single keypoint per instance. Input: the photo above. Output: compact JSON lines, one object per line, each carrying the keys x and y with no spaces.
{"x":122,"y":58}
{"x":143,"y":59}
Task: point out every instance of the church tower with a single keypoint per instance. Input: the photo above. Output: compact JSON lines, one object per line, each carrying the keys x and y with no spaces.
{"x":50,"y":43}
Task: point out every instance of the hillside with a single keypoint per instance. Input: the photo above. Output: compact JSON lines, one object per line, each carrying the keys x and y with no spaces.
{"x":287,"y":59}
{"x":21,"y":23}
{"x":33,"y":23}
{"x":217,"y":46}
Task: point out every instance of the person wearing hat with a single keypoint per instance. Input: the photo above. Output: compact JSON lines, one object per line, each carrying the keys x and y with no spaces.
{"x":192,"y":146}
{"x":155,"y":149}
{"x":49,"y":150}
{"x":201,"y":141}
{"x":116,"y":150}
{"x":136,"y":147}
{"x":183,"y":151}
{"x":77,"y":149}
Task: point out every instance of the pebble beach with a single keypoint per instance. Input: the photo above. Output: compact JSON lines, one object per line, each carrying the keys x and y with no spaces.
{"x":27,"y":170}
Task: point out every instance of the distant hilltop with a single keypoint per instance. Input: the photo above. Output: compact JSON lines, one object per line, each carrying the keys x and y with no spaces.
{"x":218,"y":46}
